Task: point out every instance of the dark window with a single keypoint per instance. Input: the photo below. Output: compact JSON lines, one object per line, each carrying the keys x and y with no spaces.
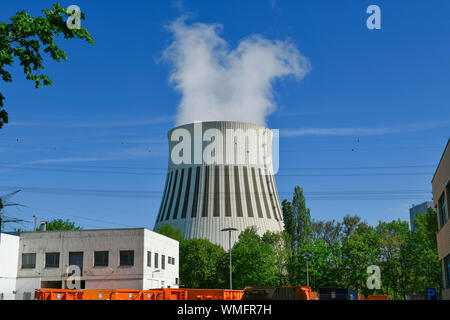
{"x":176,"y":280}
{"x":442,"y":209}
{"x":173,"y":260}
{"x":156,"y":260}
{"x":52,"y":260}
{"x":149,"y":259}
{"x":101,"y":258}
{"x":163,"y":261}
{"x":28,"y":260}
{"x":127,"y":258}
{"x":447,"y":271}
{"x":76,"y":259}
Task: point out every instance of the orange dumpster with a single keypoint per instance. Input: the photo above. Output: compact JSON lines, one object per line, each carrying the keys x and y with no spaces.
{"x":304,"y":293}
{"x":56,"y":294}
{"x":125,"y":294}
{"x":314,"y":295}
{"x":96,"y":294}
{"x":174,"y":294}
{"x":214,"y":294}
{"x":152,"y":294}
{"x":377,"y":297}
{"x":233,"y":294}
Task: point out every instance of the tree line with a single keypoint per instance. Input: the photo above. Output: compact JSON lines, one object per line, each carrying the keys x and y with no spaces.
{"x":338,"y":254}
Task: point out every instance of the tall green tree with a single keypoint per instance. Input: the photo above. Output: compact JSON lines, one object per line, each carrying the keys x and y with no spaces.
{"x":280,"y":245}
{"x":297,"y":219}
{"x":202,"y":264}
{"x":394,"y":263}
{"x":427,"y":271}
{"x":169,"y":231}
{"x":360,"y":249}
{"x":254,"y":261}
{"x":25,"y":38}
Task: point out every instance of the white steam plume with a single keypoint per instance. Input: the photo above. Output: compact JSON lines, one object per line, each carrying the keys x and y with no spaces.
{"x":218,"y":83}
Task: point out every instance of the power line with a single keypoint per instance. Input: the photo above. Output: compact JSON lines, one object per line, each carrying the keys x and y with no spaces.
{"x":159,"y":193}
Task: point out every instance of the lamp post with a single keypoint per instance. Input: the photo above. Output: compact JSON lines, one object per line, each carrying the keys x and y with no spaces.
{"x":229,"y":233}
{"x":307,"y":256}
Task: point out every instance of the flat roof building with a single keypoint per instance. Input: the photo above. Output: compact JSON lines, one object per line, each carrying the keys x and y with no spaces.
{"x":441,"y":198}
{"x":9,"y":249}
{"x":105,"y":259}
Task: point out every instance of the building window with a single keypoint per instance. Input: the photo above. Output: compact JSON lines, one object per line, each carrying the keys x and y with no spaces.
{"x":176,"y":281}
{"x":173,"y":261}
{"x":447,"y":271}
{"x":28,"y":260}
{"x":163,"y":284}
{"x":442,"y":210}
{"x":127,"y":258}
{"x":163,"y":262}
{"x":149,"y":259}
{"x":52,"y":260}
{"x":101,"y":258}
{"x":156,"y":260}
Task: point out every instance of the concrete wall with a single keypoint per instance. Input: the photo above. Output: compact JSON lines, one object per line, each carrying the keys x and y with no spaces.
{"x":9,"y":253}
{"x":158,"y":277}
{"x":113,"y":276}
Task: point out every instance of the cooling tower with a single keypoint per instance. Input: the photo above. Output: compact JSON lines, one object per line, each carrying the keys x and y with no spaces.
{"x":220,"y":176}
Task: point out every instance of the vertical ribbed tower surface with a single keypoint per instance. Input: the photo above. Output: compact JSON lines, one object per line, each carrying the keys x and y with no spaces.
{"x":220,"y":176}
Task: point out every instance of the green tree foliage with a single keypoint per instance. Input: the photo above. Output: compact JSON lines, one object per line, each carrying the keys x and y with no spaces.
{"x":169,"y":231}
{"x":23,"y":38}
{"x":360,"y":249}
{"x":427,"y":272}
{"x":60,"y":224}
{"x":280,"y":245}
{"x":202,"y":264}
{"x":297,"y":219}
{"x":254,"y":261}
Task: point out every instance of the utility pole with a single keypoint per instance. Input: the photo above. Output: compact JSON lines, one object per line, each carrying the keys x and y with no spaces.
{"x":307,"y":256}
{"x":231,"y":272}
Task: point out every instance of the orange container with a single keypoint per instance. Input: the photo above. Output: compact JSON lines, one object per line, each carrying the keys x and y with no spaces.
{"x":125,"y":294}
{"x":378,"y":297}
{"x":214,"y":294}
{"x":303,"y":293}
{"x":174,"y":294}
{"x":56,"y":294}
{"x":314,"y":295}
{"x":152,"y":294}
{"x":97,"y":294}
{"x":233,"y":294}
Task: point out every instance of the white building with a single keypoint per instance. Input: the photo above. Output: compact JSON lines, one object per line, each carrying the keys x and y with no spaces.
{"x":107,"y":258}
{"x":9,"y":252}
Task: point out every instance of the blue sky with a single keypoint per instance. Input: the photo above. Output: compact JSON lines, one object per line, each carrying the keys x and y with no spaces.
{"x":102,"y":125}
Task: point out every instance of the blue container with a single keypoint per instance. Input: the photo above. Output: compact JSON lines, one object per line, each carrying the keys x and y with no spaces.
{"x":337,"y":294}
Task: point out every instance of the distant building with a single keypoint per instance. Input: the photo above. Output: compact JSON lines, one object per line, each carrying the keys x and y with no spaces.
{"x":107,"y":258}
{"x":415,"y":209}
{"x":441,"y":198}
{"x":9,"y":249}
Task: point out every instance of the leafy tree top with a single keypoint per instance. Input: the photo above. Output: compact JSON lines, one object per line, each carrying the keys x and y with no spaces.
{"x":24,"y":37}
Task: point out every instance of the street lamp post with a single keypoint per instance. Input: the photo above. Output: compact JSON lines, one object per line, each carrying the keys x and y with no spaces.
{"x":229,"y":233}
{"x":307,"y":256}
